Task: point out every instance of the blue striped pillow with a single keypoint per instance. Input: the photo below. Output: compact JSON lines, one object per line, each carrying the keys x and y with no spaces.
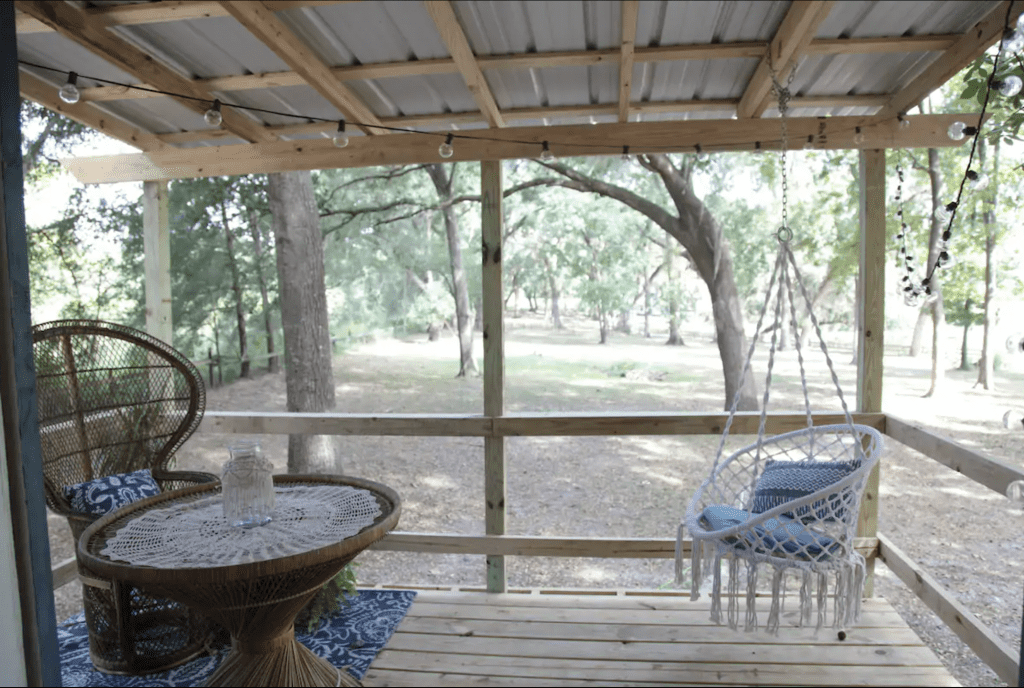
{"x":784,"y":481}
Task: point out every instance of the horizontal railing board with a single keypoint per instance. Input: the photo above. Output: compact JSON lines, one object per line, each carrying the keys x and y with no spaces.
{"x":514,"y":425}
{"x":987,"y":470}
{"x":987,"y":645}
{"x":546,"y":546}
{"x":65,"y":572}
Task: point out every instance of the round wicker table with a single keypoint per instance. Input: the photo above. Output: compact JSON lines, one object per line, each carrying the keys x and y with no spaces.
{"x":257,"y":600}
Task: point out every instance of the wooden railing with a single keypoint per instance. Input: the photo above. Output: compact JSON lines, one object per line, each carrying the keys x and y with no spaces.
{"x":986,"y":470}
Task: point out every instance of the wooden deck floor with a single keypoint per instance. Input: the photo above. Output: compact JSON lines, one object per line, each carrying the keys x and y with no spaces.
{"x":469,"y":638}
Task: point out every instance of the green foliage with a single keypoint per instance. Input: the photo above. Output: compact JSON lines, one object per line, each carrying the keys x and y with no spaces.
{"x":330,"y":600}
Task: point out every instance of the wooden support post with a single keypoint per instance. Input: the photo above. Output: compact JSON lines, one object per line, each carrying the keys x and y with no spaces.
{"x":871,"y":332}
{"x":157,"y":248}
{"x":28,"y":647}
{"x":494,"y":365}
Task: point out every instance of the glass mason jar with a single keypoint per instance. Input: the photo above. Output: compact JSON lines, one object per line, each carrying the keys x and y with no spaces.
{"x":248,"y":486}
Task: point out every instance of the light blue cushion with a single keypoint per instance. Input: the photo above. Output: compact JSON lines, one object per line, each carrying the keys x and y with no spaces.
{"x":782,"y":535}
{"x":103,"y":495}
{"x":784,"y":481}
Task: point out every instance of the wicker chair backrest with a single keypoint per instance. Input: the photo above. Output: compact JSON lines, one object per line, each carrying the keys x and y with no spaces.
{"x":112,"y":399}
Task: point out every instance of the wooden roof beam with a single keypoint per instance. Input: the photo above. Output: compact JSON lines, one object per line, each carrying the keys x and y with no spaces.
{"x":262,"y":23}
{"x":580,"y":58}
{"x":91,"y":34}
{"x":630,"y":9}
{"x":44,"y":93}
{"x":968,"y":48}
{"x":166,"y":11}
{"x":454,"y":38}
{"x":831,"y":133}
{"x":791,"y":39}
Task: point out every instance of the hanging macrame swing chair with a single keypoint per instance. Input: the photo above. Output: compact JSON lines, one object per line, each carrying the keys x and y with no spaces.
{"x":789,"y":501}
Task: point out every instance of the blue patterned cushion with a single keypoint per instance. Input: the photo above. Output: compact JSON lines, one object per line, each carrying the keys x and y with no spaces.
{"x":103,"y":495}
{"x":782,"y":535}
{"x":783,"y":481}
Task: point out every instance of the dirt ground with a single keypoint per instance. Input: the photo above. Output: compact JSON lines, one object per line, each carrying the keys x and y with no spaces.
{"x":967,"y":536}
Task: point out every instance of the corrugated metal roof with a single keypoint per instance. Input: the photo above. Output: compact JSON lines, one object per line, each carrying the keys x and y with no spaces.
{"x":367,"y":33}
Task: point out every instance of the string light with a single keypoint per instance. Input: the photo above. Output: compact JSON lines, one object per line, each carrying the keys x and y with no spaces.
{"x":809,"y":143}
{"x":340,"y":139}
{"x":757,"y":148}
{"x":904,"y":123}
{"x":625,"y":154}
{"x":213,"y":116}
{"x":1010,"y":86}
{"x":858,"y":136}
{"x":977,"y":181}
{"x":69,"y":92}
{"x":445,"y":150}
{"x":545,"y":154}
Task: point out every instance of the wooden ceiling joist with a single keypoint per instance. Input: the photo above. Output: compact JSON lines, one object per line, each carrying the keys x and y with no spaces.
{"x":91,"y":34}
{"x":454,"y":38}
{"x":630,"y":9}
{"x":791,"y":39}
{"x":43,"y":93}
{"x":582,"y":58}
{"x":262,"y":23}
{"x":966,"y":49}
{"x":165,"y":11}
{"x":832,"y":133}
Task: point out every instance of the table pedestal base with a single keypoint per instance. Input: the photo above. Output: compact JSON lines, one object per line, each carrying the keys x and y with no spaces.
{"x":280,"y":661}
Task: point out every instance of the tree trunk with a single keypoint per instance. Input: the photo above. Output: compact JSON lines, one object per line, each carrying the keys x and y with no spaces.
{"x":965,"y":363}
{"x":917,"y":341}
{"x":935,"y":306}
{"x":273,"y":366}
{"x":696,"y":229}
{"x":236,"y":286}
{"x":463,"y":317}
{"x":553,"y":290}
{"x":988,"y":218}
{"x":478,"y":315}
{"x":309,"y":377}
{"x":674,"y":338}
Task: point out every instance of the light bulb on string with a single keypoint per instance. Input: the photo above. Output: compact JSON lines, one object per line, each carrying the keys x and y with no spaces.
{"x":943,"y":214}
{"x":1013,"y":41}
{"x":858,"y":136}
{"x":340,"y":139}
{"x":700,"y":152}
{"x":945,"y":259}
{"x":977,"y":181}
{"x":213,"y":116}
{"x":1010,"y":86}
{"x":625,"y":154}
{"x":904,"y":123}
{"x":545,"y":154}
{"x":757,"y":148}
{"x":445,"y":150}
{"x":809,"y":143}
{"x":956,"y":131}
{"x":69,"y":92}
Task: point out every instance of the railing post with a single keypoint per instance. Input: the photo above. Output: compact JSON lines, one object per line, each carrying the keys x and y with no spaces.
{"x":871,"y":331}
{"x":494,"y":365}
{"x":157,"y":260}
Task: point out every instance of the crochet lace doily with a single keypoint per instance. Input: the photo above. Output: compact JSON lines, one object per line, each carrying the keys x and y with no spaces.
{"x":196,"y":535}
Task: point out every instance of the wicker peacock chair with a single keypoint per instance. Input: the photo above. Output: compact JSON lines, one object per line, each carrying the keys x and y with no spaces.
{"x":114,"y":400}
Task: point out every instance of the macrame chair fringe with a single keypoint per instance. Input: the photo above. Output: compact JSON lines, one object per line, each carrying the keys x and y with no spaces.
{"x":812,"y":534}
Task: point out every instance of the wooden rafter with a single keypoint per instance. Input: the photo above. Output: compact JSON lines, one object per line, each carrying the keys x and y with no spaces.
{"x":831,"y":133}
{"x":91,"y":34}
{"x":630,"y":9}
{"x":39,"y":91}
{"x":968,"y":48}
{"x":166,"y":11}
{"x":262,"y":23}
{"x":793,"y":35}
{"x":454,"y":38}
{"x":580,"y":58}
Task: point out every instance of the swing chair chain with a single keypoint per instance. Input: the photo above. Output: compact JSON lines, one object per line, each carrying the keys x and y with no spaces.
{"x":783,"y":94}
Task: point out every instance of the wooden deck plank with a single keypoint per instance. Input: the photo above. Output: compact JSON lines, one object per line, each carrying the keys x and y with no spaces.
{"x":399,"y":668}
{"x":466,"y":638}
{"x":637,"y":632}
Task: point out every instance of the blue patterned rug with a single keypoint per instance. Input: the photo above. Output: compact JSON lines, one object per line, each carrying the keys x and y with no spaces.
{"x":351,"y":640}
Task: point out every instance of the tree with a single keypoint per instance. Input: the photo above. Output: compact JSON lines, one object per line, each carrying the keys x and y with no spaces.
{"x":463,"y":319}
{"x":697,"y":230}
{"x":309,"y":376}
